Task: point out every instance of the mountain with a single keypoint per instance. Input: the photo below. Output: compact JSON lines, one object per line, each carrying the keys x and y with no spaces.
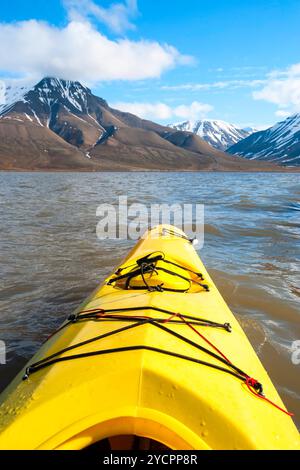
{"x":219,"y":134}
{"x":11,"y":91}
{"x":279,"y":144}
{"x":60,"y":125}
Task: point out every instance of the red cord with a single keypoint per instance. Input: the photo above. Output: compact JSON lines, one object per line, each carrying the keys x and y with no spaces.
{"x":250,"y":382}
{"x":201,"y":336}
{"x":171,"y":318}
{"x":93,"y":310}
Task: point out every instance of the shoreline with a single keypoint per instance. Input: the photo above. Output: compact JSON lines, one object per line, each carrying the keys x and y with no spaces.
{"x":275,"y":171}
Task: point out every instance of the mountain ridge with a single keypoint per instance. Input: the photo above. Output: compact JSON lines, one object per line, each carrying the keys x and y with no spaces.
{"x":219,"y":134}
{"x":60,"y":125}
{"x":279,"y":144}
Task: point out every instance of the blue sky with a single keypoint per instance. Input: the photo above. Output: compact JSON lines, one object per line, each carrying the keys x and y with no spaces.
{"x":169,"y":61}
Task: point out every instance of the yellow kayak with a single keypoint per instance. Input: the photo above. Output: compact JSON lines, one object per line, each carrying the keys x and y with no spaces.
{"x":153,"y":359}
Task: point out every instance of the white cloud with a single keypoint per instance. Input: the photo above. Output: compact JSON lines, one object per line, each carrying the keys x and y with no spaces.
{"x":229,"y":84}
{"x":117,"y":16}
{"x":163,"y":112}
{"x":79,"y":52}
{"x":193,"y":111}
{"x":283,"y":89}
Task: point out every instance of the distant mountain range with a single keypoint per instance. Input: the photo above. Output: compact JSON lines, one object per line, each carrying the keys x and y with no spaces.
{"x":279,"y":144}
{"x":60,"y":125}
{"x":219,"y":134}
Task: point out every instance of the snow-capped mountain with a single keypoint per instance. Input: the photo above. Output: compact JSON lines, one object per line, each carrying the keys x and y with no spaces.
{"x":219,"y":134}
{"x":12,"y":90}
{"x":40,"y":102}
{"x":65,"y":107}
{"x":279,"y":144}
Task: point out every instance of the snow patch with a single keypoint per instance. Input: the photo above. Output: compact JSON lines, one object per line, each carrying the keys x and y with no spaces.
{"x":36,"y":117}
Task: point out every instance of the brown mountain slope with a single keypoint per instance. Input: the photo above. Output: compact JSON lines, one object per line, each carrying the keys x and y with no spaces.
{"x":61,"y":125}
{"x":32,"y":147}
{"x":118,"y":152}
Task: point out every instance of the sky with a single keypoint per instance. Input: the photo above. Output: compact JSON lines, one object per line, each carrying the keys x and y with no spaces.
{"x":168,"y":60}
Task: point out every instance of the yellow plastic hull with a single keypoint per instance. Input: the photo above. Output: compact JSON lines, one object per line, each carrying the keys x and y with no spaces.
{"x":181,"y":404}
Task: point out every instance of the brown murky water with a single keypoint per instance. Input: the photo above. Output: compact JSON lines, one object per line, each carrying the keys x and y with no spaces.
{"x":50,"y":258}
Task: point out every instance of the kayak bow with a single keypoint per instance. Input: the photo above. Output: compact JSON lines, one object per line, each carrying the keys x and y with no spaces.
{"x":152,"y":359}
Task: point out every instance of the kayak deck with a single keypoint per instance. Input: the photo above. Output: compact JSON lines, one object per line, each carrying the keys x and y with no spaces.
{"x":148,"y":373}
